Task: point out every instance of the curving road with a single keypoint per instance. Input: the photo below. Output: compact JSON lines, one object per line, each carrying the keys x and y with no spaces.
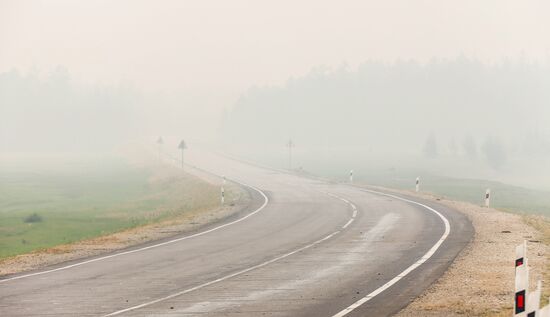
{"x":301,"y":248}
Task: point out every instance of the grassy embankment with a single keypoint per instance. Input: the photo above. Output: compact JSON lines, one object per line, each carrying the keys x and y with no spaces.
{"x":503,"y":196}
{"x":45,"y":208}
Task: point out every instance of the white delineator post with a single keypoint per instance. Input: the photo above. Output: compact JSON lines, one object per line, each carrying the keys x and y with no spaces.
{"x":160,"y":142}
{"x":223,"y":195}
{"x":487,"y":197}
{"x":526,"y":303}
{"x":533,"y":301}
{"x":522,"y":280}
{"x":182,"y":146}
{"x":290,"y":145}
{"x":351,"y":176}
{"x":521,"y":253}
{"x":417,"y":184}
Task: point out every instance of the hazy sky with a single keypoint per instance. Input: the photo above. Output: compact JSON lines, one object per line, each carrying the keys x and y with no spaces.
{"x":214,"y":50}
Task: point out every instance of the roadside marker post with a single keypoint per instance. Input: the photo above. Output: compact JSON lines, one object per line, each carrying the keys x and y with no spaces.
{"x":417,"y":184}
{"x":522,"y":280}
{"x":290,"y":145}
{"x":223,"y":195}
{"x":351,"y":176}
{"x":160,"y":142}
{"x":522,"y":287}
{"x":487,"y":197}
{"x":182,"y":146}
{"x":521,"y":254}
{"x":533,"y":301}
{"x":526,"y":303}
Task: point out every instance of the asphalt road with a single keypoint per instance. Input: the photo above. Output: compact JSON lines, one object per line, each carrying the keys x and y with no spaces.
{"x":302,"y":248}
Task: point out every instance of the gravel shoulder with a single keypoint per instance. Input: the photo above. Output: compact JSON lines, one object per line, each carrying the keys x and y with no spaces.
{"x":187,"y":222}
{"x":480,"y":282}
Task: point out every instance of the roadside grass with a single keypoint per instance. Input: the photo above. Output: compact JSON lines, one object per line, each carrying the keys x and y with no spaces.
{"x":503,"y":196}
{"x":42,"y":209}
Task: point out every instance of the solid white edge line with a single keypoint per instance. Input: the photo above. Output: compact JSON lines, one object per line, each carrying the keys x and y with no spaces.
{"x":347,"y":224}
{"x":352,"y":206}
{"x":408,"y":270}
{"x":266,"y":200}
{"x":158,"y":300}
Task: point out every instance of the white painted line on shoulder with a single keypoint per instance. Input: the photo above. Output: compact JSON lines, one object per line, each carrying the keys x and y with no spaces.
{"x":347,"y":224}
{"x":266,"y":200}
{"x":408,"y":270}
{"x":352,"y":206}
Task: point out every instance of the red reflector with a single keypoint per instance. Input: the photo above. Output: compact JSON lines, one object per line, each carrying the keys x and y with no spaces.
{"x":519,"y":262}
{"x":520,"y":302}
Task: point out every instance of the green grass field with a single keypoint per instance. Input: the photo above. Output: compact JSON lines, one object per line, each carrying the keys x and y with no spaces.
{"x":504,"y":196}
{"x":88,"y":199}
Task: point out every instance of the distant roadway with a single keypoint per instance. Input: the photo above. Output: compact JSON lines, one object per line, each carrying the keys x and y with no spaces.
{"x":302,"y":247}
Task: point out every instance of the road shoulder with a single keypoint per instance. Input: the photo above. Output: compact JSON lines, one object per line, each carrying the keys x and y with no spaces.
{"x":480,"y":282}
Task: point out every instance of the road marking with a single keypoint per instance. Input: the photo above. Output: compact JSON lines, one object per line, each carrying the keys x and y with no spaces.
{"x":236,"y":273}
{"x":408,"y":270}
{"x":266,"y":200}
{"x":349,"y":203}
{"x":347,"y":224}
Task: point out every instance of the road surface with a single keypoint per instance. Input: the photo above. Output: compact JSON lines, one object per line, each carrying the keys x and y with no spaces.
{"x":303,"y":247}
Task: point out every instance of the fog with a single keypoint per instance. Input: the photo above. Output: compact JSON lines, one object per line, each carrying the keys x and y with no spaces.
{"x":452,"y":88}
{"x":454,"y":117}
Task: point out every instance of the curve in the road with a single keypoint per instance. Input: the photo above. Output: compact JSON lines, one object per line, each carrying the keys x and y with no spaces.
{"x":266,"y":200}
{"x":408,"y":270}
{"x":340,"y":230}
{"x":122,"y":311}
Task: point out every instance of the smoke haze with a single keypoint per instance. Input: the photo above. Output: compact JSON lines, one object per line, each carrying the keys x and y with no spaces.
{"x":457,"y":88}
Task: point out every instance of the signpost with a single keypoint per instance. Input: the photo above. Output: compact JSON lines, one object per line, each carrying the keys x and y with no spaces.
{"x":290,"y":145}
{"x":182,"y":147}
{"x":160,"y":142}
{"x":487,"y":197}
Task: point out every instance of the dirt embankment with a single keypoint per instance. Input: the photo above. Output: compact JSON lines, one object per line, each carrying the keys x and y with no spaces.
{"x":480,"y":282}
{"x":188,"y":221}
